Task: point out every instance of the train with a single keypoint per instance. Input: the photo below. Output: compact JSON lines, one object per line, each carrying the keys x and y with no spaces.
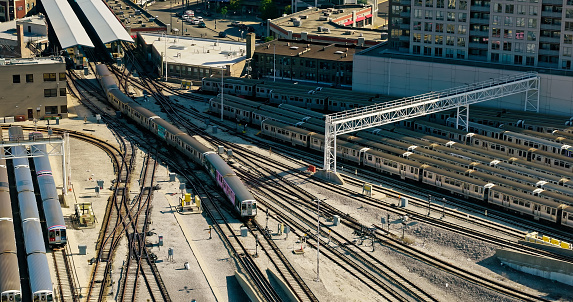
{"x":304,"y":96}
{"x":38,"y":268}
{"x":55,"y":223}
{"x":10,"y":289}
{"x":239,"y":196}
{"x":523,"y":203}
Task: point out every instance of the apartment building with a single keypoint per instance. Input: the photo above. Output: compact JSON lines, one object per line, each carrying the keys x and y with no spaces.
{"x":520,"y":32}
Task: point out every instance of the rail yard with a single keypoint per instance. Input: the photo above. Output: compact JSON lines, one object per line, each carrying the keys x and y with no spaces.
{"x":164,"y":201}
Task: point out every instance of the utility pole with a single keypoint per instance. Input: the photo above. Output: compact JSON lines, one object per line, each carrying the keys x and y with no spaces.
{"x":318,"y":240}
{"x":429,"y":202}
{"x":274,"y":62}
{"x":444,"y":207}
{"x":222,"y":71}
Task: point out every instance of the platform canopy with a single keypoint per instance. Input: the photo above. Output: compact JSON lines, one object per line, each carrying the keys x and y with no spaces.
{"x":103,"y":20}
{"x":66,"y":24}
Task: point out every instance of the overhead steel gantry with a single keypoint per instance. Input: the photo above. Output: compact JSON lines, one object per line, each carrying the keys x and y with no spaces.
{"x":406,"y":108}
{"x":55,"y":146}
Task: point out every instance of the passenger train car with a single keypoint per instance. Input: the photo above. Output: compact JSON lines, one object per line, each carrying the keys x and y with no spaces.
{"x":38,"y":268}
{"x":241,"y":199}
{"x":10,"y":289}
{"x":55,"y":223}
{"x":400,"y":164}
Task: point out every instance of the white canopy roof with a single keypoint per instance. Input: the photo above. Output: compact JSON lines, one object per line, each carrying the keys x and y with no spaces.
{"x":67,"y":27}
{"x":103,"y":20}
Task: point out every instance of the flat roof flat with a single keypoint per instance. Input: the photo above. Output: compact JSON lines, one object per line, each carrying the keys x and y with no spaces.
{"x":105,"y":23}
{"x":311,"y":23}
{"x":196,"y":51}
{"x":31,"y":61}
{"x":66,"y":24}
{"x":8,"y":29}
{"x":323,"y":51}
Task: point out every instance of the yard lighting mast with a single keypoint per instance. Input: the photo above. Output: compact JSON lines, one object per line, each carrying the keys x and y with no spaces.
{"x":222,"y":70}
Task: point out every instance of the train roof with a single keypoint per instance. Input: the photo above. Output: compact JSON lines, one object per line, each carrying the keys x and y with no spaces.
{"x":278,"y":117}
{"x":568,"y":209}
{"x":526,"y":196}
{"x":53,"y":212}
{"x":7,"y":239}
{"x":146,"y":113}
{"x":42,"y":163}
{"x":439,"y":126}
{"x":28,"y":205}
{"x":233,"y":80}
{"x":10,"y":280}
{"x":528,"y":171}
{"x":118,"y":94}
{"x":219,"y":164}
{"x":167,"y":126}
{"x":102,"y":70}
{"x":301,"y":110}
{"x":39,"y":271}
{"x":5,"y":205}
{"x":293,"y":115}
{"x":395,"y":158}
{"x":557,"y":196}
{"x":108,"y":82}
{"x":287,"y":127}
{"x":538,"y":140}
{"x":437,"y":163}
{"x":33,"y":237}
{"x":194,"y":143}
{"x":240,"y":190}
{"x":504,"y":173}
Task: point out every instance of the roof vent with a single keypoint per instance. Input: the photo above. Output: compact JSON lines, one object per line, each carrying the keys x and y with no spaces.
{"x":339,"y":52}
{"x":294,"y":47}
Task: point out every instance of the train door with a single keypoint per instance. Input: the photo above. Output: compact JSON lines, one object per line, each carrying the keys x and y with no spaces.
{"x":529,"y":153}
{"x":559,"y":214}
{"x":403,"y":171}
{"x":361,"y":157}
{"x":536,"y":211}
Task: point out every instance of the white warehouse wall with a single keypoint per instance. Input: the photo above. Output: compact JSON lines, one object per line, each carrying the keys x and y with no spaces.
{"x":409,"y":78}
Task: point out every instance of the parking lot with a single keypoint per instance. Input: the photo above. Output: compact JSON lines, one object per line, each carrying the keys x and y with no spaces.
{"x":215,"y":25}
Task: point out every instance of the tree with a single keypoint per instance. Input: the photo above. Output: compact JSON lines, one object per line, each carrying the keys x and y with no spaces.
{"x":224,"y":11}
{"x":288,"y":9}
{"x":235,"y":5}
{"x":268,"y":10}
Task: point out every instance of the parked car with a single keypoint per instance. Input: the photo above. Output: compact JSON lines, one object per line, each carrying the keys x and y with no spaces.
{"x":195,"y":21}
{"x":250,"y":29}
{"x":202,"y":24}
{"x":236,"y":23}
{"x":222,"y":34}
{"x":200,"y":18}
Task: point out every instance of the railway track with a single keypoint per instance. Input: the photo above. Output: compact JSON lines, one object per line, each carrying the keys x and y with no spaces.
{"x":67,"y":283}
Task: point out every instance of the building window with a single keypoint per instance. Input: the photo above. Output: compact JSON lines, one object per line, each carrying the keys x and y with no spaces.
{"x":49,"y":93}
{"x":533,"y":10}
{"x":440,"y":15}
{"x":508,"y":21}
{"x":452,"y":4}
{"x":418,"y":13}
{"x":520,"y":22}
{"x":497,"y":8}
{"x":449,"y":53}
{"x":452,"y":17}
{"x":509,"y":8}
{"x":64,"y":109}
{"x":461,"y":54}
{"x":417,"y":2}
{"x":569,"y":26}
{"x":439,"y":40}
{"x":461,"y":29}
{"x":495,"y":57}
{"x":440,"y":3}
{"x":428,"y":39}
{"x":427,"y":51}
{"x":569,"y":13}
{"x":531,"y":36}
{"x":519,"y":34}
{"x":15,"y":78}
{"x":566,"y":64}
{"x":417,"y":25}
{"x":463,"y":4}
{"x":462,"y":17}
{"x":417,"y":37}
{"x":530,"y":48}
{"x":49,"y":77}
{"x":450,"y":40}
{"x":507,"y":46}
{"x":451,"y":28}
{"x":461,"y":41}
{"x":568,"y":39}
{"x":29,"y":78}
{"x":438,"y":52}
{"x":495,"y":32}
{"x":495,"y":20}
{"x":427,"y":26}
{"x":532,"y":23}
{"x":495,"y":45}
{"x":508,"y":34}
{"x":440,"y":28}
{"x":62,"y":91}
{"x":518,"y":60}
{"x":521,"y":9}
{"x":429,"y":15}
{"x":429,"y":3}
{"x":416,"y":49}
{"x":567,"y":51}
{"x":518,"y":47}
{"x":51,"y":109}
{"x":530,"y":61}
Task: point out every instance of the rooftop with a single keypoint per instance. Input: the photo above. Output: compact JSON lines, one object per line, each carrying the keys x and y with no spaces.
{"x":39,"y":32}
{"x":134,"y":18}
{"x":382,"y":50}
{"x":105,"y":23}
{"x":196,"y":51}
{"x":31,"y":61}
{"x":66,"y":24}
{"x":310,"y":22}
{"x":324,"y":51}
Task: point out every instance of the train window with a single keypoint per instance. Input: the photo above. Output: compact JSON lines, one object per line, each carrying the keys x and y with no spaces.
{"x":370,"y":157}
{"x":377,"y":160}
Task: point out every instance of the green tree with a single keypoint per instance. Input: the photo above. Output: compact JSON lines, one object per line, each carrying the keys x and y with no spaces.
{"x":224,"y":11}
{"x":235,"y":5}
{"x":288,"y":9}
{"x":268,"y":10}
{"x":269,"y":38}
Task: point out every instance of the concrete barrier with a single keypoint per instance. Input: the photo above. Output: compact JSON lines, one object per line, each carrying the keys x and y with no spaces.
{"x":552,"y":269}
{"x":247,"y":287}
{"x":284,"y":287}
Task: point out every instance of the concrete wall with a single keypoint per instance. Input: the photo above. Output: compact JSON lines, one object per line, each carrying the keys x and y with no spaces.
{"x":539,"y":266}
{"x":409,"y":78}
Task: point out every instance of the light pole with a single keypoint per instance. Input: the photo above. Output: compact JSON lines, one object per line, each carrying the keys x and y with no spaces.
{"x":222,"y":71}
{"x":274,"y":62}
{"x":165,"y":57}
{"x":318,"y":239}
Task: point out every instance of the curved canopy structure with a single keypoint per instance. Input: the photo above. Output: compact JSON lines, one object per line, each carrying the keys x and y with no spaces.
{"x":66,"y":24}
{"x":105,"y":23}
